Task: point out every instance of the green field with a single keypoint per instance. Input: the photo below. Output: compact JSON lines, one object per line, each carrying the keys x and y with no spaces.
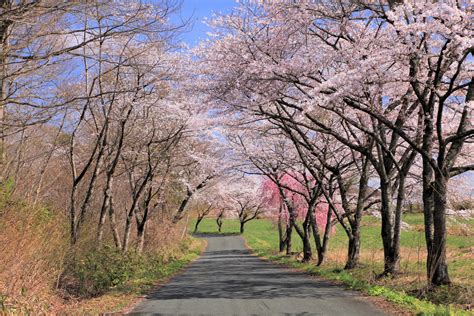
{"x":262,"y":236}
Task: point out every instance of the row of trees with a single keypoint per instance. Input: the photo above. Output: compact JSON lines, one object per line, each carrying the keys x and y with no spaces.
{"x":95,"y":116}
{"x":352,"y":104}
{"x":233,"y":196}
{"x":343,"y":106}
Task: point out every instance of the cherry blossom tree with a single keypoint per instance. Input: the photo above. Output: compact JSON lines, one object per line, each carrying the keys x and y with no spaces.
{"x":246,"y":199}
{"x":361,"y":73}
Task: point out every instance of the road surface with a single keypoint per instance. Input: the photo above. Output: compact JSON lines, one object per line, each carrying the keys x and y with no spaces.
{"x":228,"y":280}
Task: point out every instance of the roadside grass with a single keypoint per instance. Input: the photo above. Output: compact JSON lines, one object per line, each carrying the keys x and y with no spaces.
{"x":152,"y":273}
{"x":105,"y":281}
{"x":262,"y":236}
{"x":40,"y":273}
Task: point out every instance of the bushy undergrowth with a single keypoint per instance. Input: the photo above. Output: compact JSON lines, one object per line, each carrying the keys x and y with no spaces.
{"x":108,"y":268}
{"x":40,"y":273}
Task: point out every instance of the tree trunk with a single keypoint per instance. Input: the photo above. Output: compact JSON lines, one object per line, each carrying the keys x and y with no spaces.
{"x":141,"y":236}
{"x":391,"y":247}
{"x":353,"y":253}
{"x":113,"y":224}
{"x":105,"y":207}
{"x":317,"y":240}
{"x":438,"y":272}
{"x":72,"y":215}
{"x":307,"y":252}
{"x":327,"y":231}
{"x":288,"y":241}
{"x":242,"y":227}
{"x":281,"y":237}
{"x":198,"y":221}
{"x":427,"y":176}
{"x":92,"y":185}
{"x":353,"y":249}
{"x":219,"y":223}
{"x":126,"y":234}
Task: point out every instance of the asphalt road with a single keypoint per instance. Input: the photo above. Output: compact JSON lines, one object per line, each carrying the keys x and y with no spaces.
{"x":227,"y":280}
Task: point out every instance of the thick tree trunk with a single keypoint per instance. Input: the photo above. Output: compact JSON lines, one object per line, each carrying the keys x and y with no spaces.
{"x":307,"y":252}
{"x":317,"y":240}
{"x":321,"y":257}
{"x":219,"y":223}
{"x":141,"y":236}
{"x":427,"y":175}
{"x":390,"y":245}
{"x":327,"y":231}
{"x":353,"y":251}
{"x":353,"y":248}
{"x":438,"y":272}
{"x":281,"y":236}
{"x":179,"y":214}
{"x":397,"y":226}
{"x":242,"y":224}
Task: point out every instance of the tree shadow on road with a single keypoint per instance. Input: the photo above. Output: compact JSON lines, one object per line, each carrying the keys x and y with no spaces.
{"x":236,"y":274}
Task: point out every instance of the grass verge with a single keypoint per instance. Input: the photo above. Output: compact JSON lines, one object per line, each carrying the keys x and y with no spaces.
{"x":404,"y":300}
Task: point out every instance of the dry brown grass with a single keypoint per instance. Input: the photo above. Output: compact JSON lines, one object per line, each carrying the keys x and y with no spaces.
{"x":34,"y":247}
{"x":35,"y":256}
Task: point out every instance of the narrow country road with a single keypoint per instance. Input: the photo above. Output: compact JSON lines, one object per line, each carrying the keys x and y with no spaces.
{"x":227,"y":280}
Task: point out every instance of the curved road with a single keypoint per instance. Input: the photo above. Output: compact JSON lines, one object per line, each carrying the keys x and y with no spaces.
{"x":228,"y":280}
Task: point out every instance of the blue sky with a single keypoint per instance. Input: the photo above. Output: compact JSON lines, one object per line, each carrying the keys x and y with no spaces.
{"x":197,"y":10}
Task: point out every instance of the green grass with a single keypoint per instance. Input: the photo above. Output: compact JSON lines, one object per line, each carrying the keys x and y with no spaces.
{"x":143,"y":273}
{"x":262,"y":237}
{"x":370,"y":234}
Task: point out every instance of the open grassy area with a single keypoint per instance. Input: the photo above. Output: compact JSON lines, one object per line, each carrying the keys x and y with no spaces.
{"x":262,"y":237}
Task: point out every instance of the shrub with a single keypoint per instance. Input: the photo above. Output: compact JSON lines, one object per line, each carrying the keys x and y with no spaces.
{"x":106,"y":268}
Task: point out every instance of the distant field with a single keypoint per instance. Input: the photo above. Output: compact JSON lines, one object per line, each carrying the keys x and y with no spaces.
{"x":262,"y":236}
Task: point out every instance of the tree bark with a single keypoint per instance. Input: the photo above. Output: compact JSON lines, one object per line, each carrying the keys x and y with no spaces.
{"x":307,"y":252}
{"x":126,"y":233}
{"x":113,"y":224}
{"x":281,"y":235}
{"x":141,"y":236}
{"x":198,"y":221}
{"x":353,"y":248}
{"x":353,"y":251}
{"x":391,"y":252}
{"x":288,"y":240}
{"x":219,"y":222}
{"x":105,"y":207}
{"x":438,"y":269}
